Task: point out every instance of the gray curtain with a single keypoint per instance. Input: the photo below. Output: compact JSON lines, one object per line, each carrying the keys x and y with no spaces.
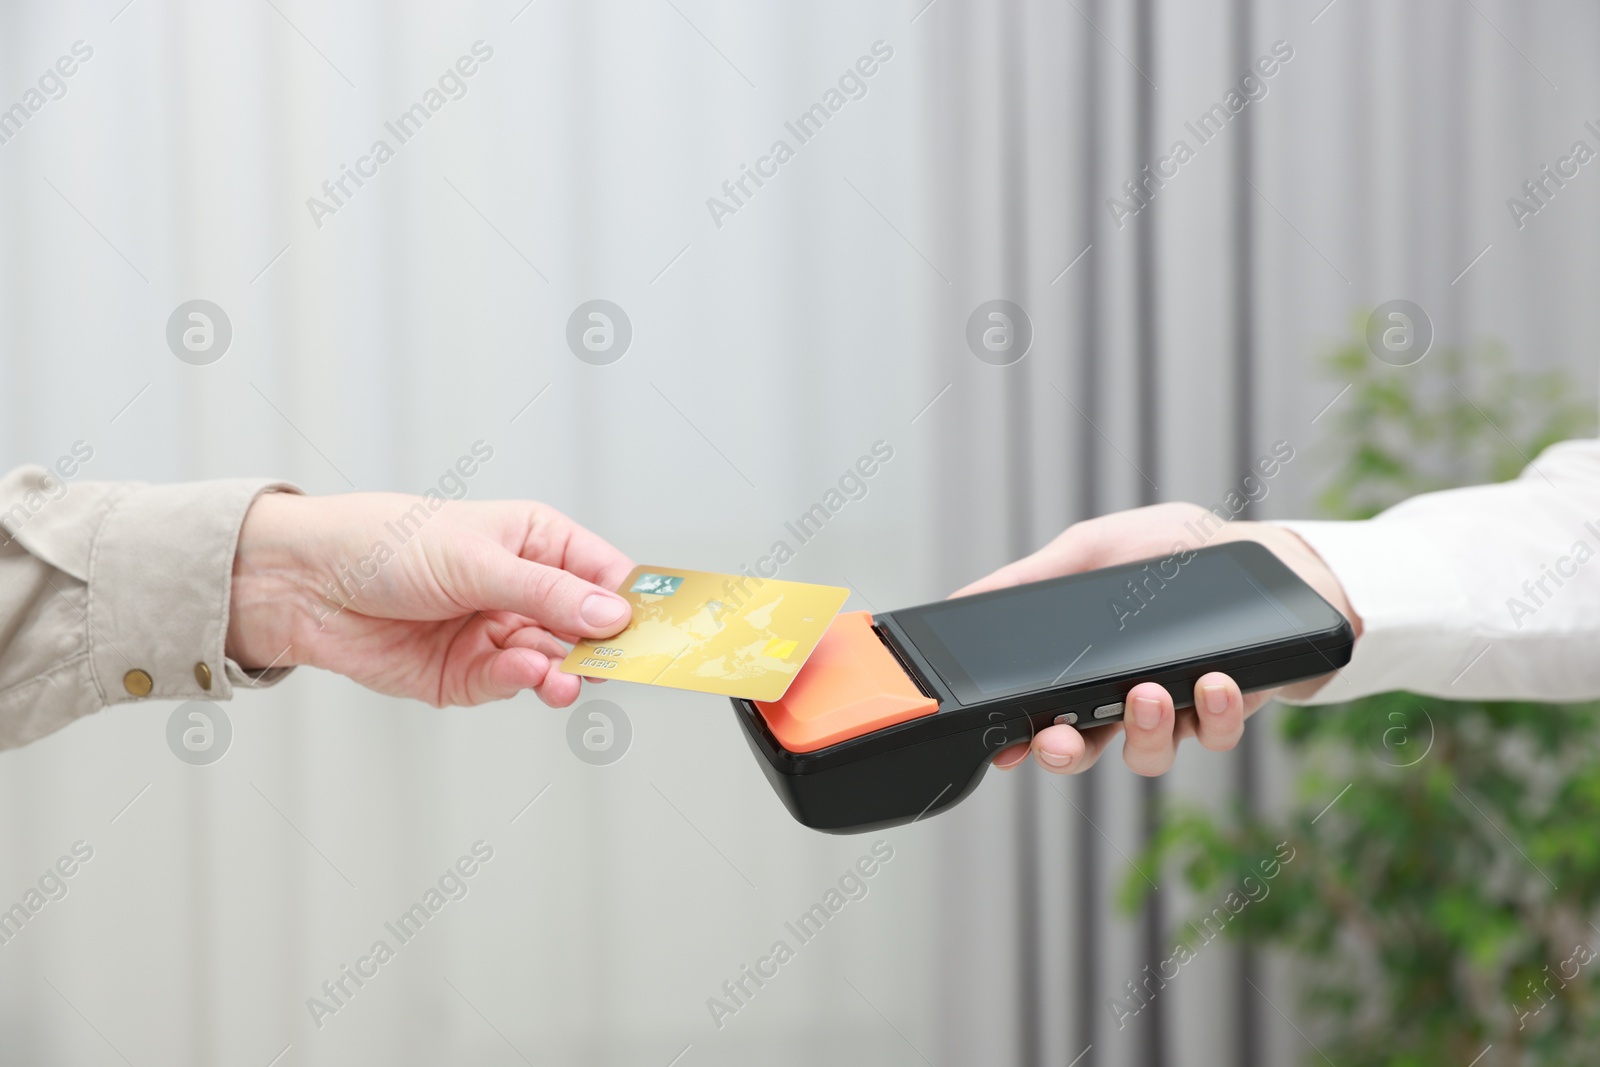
{"x":773,"y":344}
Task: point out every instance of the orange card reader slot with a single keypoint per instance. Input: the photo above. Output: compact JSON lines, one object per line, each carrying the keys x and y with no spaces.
{"x":851,"y":685}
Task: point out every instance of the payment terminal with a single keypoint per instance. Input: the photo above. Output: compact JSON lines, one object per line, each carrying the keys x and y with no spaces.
{"x":895,"y":717}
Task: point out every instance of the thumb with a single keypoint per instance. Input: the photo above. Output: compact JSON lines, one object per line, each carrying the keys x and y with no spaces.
{"x":1051,"y":561}
{"x":556,"y":599}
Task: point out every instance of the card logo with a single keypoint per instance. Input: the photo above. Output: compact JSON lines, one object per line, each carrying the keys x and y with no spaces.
{"x":656,"y":584}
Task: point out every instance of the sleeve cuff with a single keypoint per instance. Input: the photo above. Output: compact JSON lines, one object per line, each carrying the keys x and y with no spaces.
{"x":1408,"y":600}
{"x":160,"y":583}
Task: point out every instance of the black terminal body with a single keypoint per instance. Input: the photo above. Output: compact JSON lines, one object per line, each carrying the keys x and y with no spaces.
{"x":1005,"y":664}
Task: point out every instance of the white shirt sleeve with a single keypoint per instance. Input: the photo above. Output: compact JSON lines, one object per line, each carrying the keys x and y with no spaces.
{"x":1490,"y":592}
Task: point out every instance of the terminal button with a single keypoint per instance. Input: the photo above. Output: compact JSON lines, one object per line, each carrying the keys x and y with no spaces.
{"x":1106,"y":711}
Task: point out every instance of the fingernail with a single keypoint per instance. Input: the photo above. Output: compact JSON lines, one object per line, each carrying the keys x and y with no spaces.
{"x":601,"y":610}
{"x":1215,"y":697}
{"x":1146,"y":713}
{"x":1057,"y":760}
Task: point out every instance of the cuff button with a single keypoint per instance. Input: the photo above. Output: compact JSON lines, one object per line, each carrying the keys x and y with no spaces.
{"x":202,"y":674}
{"x":137,"y":682}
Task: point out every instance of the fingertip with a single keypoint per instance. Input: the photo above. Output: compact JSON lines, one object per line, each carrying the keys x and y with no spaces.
{"x":516,"y":669}
{"x":1017,"y":572}
{"x":1217,"y":694}
{"x":1148,"y":727}
{"x":1011,"y":756}
{"x":1146,"y":706}
{"x":979,"y":586}
{"x":1058,"y":748}
{"x":1219,"y":711}
{"x":559,"y":601}
{"x":1154,"y":690}
{"x":605,"y":612}
{"x":559,"y":689}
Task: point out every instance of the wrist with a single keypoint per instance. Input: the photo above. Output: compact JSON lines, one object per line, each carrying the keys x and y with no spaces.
{"x":1301,"y":558}
{"x":273,"y":597}
{"x":1306,"y":562}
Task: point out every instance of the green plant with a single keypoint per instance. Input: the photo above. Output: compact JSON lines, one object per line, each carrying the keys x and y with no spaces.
{"x":1445,"y":855}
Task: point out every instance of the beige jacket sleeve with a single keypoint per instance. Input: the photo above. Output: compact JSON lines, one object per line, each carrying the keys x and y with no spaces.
{"x":113,"y":592}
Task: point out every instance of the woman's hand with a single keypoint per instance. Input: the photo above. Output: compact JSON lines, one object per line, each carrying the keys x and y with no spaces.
{"x":1152,"y":726}
{"x":451,"y":602}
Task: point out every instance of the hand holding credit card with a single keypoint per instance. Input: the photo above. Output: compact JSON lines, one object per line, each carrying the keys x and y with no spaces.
{"x":732,"y":635}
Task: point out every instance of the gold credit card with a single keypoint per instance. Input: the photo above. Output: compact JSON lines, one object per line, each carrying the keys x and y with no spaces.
{"x":734,"y":635}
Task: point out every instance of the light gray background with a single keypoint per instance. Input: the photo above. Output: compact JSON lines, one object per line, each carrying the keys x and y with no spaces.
{"x":767,"y":356}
